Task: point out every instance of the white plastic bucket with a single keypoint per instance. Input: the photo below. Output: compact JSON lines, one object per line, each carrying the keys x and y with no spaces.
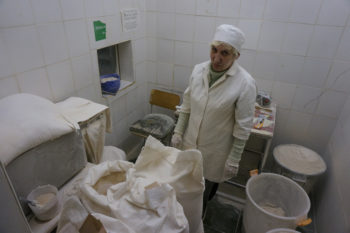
{"x":283,"y":230}
{"x":274,"y":201}
{"x":46,"y":202}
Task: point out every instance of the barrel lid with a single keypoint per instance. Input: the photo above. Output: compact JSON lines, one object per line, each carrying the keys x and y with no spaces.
{"x":299,"y":159}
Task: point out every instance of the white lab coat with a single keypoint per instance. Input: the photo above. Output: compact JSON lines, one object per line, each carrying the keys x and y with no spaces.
{"x":217,"y":115}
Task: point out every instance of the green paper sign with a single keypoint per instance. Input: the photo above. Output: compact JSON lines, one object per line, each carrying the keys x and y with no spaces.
{"x":100,"y":30}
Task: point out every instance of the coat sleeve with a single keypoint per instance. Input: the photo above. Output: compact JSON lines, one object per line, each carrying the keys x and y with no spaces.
{"x":244,"y":111}
{"x":186,"y":98}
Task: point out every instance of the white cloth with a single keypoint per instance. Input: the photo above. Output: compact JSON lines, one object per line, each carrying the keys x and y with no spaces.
{"x":27,"y":121}
{"x":81,"y":110}
{"x":217,"y":114}
{"x":230,"y":35}
{"x":85,"y":112}
{"x":182,"y":170}
{"x":141,"y":204}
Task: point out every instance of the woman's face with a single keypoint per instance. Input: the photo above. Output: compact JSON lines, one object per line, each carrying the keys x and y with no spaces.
{"x":221,"y":58}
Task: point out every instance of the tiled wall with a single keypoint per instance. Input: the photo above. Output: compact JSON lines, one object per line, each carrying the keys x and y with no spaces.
{"x":295,"y":50}
{"x":333,"y":190}
{"x":48,"y":48}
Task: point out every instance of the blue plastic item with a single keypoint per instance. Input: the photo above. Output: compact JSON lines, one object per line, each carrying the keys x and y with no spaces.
{"x":110,"y":84}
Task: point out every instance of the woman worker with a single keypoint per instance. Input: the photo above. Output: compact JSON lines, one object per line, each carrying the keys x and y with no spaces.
{"x":217,"y":111}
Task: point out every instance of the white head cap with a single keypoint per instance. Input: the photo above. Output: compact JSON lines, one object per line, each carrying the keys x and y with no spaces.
{"x":230,"y":35}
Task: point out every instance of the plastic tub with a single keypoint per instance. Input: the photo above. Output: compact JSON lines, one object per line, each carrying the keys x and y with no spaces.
{"x":273,"y":201}
{"x":300,"y":164}
{"x":282,"y":230}
{"x":46,"y":202}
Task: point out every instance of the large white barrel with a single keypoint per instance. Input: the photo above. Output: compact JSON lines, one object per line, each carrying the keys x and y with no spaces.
{"x":274,"y":201}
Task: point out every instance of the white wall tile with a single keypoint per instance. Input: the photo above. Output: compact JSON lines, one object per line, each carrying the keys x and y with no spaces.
{"x":306,"y":99}
{"x":334,"y":13}
{"x":77,"y":37}
{"x":297,"y":125}
{"x":252,"y":9}
{"x":8,"y":86}
{"x":23,"y":47}
{"x":297,"y":39}
{"x":111,"y":7}
{"x":131,"y":102}
{"x":183,"y":53}
{"x":53,"y":41}
{"x":228,"y":8}
{"x":151,"y":5}
{"x":166,"y":5}
{"x":185,"y":6}
{"x":82,"y":71}
{"x":181,"y":77}
{"x":324,"y":42}
{"x":72,"y":9}
{"x":118,"y":109}
{"x":165,"y":74}
{"x":264,"y":85}
{"x":339,"y":76}
{"x":251,"y":29}
{"x":139,"y":50}
{"x":344,"y":46}
{"x":151,"y":24}
{"x":6,"y":65}
{"x":289,"y":69}
{"x":283,"y":94}
{"x":89,"y":92}
{"x":247,"y":59}
{"x":305,"y":11}
{"x":151,"y":69}
{"x":166,"y":25}
{"x":266,"y":65}
{"x":204,"y":29}
{"x":46,"y":11}
{"x":61,"y":79}
{"x":184,"y":29}
{"x":35,"y":82}
{"x":140,"y":72}
{"x":278,"y":9}
{"x":206,"y":7}
{"x":272,"y":35}
{"x":331,"y":103}
{"x":221,"y":20}
{"x":114,"y":33}
{"x":151,"y":49}
{"x":201,"y":53}
{"x":94,"y":8}
{"x":320,"y":129}
{"x":165,"y":51}
{"x":315,"y":72}
{"x":16,"y":13}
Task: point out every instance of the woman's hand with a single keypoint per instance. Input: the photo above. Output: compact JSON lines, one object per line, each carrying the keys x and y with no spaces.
{"x":176,"y":140}
{"x":231,"y":169}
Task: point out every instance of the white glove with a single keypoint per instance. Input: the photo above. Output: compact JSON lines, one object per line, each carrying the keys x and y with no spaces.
{"x":231,"y":169}
{"x":176,"y":140}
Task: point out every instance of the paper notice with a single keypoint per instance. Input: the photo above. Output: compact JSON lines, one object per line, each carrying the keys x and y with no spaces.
{"x":129,"y":19}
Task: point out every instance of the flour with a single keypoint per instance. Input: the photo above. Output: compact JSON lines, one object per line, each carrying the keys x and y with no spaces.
{"x":107,"y":181}
{"x":273,"y":209}
{"x":299,"y":159}
{"x":43,"y":199}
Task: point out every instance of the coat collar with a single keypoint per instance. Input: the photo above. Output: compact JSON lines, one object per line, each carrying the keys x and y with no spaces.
{"x":229,"y":73}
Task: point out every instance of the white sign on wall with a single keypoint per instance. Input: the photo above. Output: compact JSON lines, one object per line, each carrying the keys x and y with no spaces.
{"x":129,"y":19}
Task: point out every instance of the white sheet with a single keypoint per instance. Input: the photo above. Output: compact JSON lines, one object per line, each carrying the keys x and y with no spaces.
{"x":81,"y":110}
{"x":27,"y":121}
